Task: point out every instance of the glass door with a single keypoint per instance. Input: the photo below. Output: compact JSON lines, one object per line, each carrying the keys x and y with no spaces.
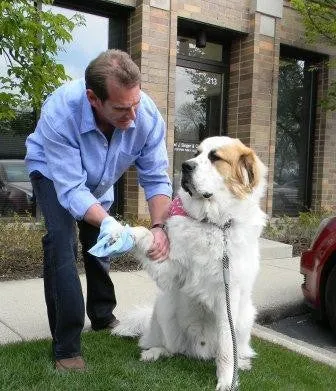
{"x":198,"y":113}
{"x":199,"y":99}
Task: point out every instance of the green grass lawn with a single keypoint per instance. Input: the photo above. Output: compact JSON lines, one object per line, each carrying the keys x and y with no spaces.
{"x":113,"y":364}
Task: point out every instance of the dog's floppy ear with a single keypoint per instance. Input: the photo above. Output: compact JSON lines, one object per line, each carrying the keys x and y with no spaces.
{"x":240,"y":167}
{"x":247,"y":168}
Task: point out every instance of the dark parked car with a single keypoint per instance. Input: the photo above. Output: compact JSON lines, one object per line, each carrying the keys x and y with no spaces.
{"x":16,"y":194}
{"x":318,"y":266}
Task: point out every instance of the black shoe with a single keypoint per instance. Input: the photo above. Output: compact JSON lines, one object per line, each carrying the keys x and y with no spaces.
{"x":110,"y":326}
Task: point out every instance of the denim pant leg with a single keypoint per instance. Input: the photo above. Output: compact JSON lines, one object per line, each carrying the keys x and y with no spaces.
{"x":101,"y":300}
{"x":62,"y":287}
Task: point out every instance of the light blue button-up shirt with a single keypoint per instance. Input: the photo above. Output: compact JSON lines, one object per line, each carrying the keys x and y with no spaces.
{"x":68,"y":148}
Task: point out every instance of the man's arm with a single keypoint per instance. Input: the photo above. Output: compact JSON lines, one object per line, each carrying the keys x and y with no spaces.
{"x":158,"y":210}
{"x":95,"y":215}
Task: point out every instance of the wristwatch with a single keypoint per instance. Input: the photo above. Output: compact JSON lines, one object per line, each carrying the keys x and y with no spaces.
{"x":162,"y":226}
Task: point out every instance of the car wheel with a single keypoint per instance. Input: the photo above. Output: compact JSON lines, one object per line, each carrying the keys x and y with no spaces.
{"x":330,"y":299}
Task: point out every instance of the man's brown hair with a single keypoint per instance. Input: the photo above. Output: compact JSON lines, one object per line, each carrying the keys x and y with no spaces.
{"x":115,"y":65}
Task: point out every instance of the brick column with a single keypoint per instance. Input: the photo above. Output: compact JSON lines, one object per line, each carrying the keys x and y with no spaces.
{"x":253,"y":88}
{"x":324,"y":159}
{"x":152,"y":43}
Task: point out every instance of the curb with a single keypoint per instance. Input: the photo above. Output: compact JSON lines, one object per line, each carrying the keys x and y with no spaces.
{"x":318,"y":354}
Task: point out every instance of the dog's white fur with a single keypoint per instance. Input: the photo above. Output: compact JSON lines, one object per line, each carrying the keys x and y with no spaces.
{"x":224,"y":182}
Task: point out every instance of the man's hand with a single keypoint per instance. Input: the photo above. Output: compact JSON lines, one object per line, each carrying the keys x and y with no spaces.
{"x":159,"y":250}
{"x":110,"y":227}
{"x":113,"y":240}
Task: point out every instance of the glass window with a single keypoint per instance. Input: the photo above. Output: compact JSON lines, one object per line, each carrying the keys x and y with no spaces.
{"x":187,"y":47}
{"x":296,"y":91}
{"x":88,"y":41}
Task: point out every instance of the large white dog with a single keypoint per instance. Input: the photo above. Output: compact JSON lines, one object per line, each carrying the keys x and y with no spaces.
{"x":220,"y":195}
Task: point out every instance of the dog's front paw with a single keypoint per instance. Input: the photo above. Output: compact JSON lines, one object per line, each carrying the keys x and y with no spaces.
{"x":244,"y":364}
{"x":153,"y":354}
{"x":115,"y":232}
{"x":143,"y":238}
{"x":224,"y":384}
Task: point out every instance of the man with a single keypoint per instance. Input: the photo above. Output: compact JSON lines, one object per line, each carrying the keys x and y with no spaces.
{"x":88,"y":134}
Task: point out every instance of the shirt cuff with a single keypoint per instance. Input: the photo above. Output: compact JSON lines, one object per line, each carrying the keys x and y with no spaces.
{"x":161,"y":188}
{"x":80,"y":203}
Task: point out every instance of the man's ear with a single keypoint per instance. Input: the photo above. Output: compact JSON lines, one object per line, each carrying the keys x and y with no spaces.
{"x":93,"y":98}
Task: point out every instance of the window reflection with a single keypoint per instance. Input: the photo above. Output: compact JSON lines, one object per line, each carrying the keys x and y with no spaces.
{"x":187,"y":47}
{"x":88,"y":41}
{"x":197,"y":113}
{"x":291,"y":150}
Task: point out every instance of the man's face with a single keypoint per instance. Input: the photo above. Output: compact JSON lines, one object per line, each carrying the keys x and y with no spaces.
{"x":119,"y":109}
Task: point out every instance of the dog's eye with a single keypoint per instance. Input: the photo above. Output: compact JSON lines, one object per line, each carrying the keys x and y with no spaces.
{"x":213,"y":157}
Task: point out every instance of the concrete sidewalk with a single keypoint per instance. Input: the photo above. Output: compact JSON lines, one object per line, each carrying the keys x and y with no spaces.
{"x":23,"y":312}
{"x":277,"y":294}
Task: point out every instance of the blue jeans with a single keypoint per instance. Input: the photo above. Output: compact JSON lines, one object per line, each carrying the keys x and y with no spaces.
{"x":62,"y":287}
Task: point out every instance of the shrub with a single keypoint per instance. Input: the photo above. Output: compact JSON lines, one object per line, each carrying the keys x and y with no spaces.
{"x":297,"y":231}
{"x":21,"y":254}
{"x":20,"y":248}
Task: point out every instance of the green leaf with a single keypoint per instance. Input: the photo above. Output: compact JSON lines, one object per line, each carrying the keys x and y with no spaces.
{"x":30,"y":41}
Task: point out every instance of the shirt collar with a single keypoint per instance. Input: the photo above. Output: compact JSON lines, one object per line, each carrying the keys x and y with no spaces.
{"x":88,"y":120}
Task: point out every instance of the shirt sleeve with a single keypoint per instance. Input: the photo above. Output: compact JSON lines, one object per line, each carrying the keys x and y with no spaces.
{"x":65,"y":165}
{"x":152,"y":164}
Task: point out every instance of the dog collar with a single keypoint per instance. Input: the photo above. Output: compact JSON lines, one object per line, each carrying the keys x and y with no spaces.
{"x":176,"y":208}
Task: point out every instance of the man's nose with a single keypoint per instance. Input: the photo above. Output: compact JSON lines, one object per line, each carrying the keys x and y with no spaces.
{"x":131,"y":113}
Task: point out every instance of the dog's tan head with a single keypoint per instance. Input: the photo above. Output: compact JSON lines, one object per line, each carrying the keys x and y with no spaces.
{"x":223,"y":166}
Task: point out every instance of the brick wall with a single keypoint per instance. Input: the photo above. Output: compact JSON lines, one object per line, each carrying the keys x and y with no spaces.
{"x":152,"y":42}
{"x":231,"y":14}
{"x":254,"y":69}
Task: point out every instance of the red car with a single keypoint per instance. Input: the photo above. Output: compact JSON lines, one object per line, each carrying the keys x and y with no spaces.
{"x":318,"y":266}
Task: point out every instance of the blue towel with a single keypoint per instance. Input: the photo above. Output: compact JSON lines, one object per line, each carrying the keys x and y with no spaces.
{"x":105,"y":248}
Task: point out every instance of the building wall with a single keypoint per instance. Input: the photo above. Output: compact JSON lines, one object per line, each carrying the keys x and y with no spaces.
{"x":254,"y":70}
{"x":253,"y":94}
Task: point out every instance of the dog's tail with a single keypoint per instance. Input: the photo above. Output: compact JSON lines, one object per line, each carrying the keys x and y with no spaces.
{"x":134,"y":323}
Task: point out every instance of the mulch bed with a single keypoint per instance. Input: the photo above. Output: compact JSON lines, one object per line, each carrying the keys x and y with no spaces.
{"x":24,"y":269}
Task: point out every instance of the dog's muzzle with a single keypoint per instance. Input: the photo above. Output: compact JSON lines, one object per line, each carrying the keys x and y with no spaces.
{"x":186,"y":180}
{"x":187,"y":184}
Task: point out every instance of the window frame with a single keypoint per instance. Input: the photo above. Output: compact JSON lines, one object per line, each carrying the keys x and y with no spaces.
{"x":210,"y":66}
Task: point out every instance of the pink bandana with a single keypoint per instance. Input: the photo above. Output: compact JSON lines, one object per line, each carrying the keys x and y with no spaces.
{"x":176,"y":208}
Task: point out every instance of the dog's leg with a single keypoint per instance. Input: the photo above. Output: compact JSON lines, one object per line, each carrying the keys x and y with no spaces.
{"x":224,"y":358}
{"x":163,"y":337}
{"x":245,"y":322}
{"x":154,"y":354}
{"x":152,"y":342}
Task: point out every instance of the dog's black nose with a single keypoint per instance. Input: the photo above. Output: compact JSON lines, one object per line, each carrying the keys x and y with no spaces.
{"x":188,"y":166}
